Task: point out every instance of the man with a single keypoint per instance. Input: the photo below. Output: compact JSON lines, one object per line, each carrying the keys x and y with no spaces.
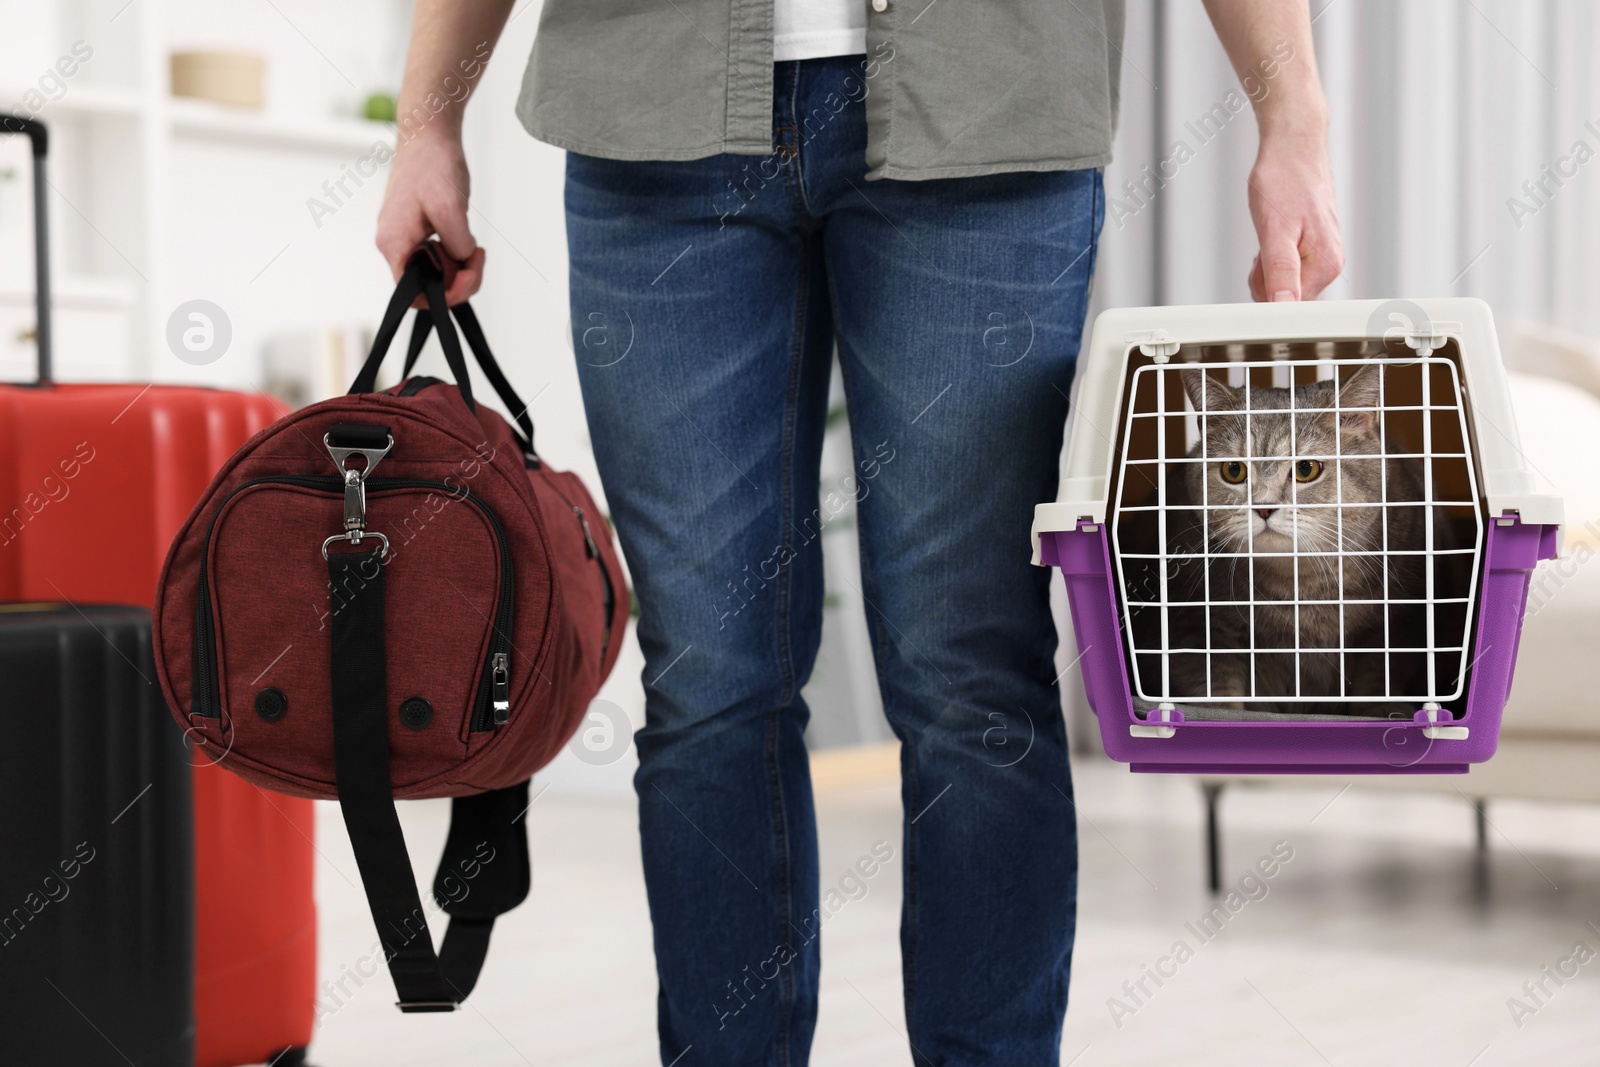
{"x":751,"y":183}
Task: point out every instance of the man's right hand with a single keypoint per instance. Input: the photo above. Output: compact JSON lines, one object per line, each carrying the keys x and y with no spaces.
{"x":428,"y":182}
{"x":427,"y":195}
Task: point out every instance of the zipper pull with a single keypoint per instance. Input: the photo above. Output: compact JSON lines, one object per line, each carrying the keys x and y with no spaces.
{"x":588,"y":537}
{"x":500,"y":666}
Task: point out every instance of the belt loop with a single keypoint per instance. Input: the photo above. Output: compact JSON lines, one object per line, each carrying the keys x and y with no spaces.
{"x":785,"y":125}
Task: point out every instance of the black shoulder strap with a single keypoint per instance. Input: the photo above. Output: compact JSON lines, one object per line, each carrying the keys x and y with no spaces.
{"x":484,"y":871}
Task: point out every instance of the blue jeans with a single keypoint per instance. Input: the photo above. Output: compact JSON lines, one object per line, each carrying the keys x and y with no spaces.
{"x":707,"y":298}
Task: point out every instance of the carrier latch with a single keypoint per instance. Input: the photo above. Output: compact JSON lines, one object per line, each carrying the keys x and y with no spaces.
{"x":1426,"y":337}
{"x":1156,"y":344}
{"x":1163,"y":712}
{"x":1431,"y":712}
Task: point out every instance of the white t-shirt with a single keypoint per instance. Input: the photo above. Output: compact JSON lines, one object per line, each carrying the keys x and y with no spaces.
{"x":811,"y":29}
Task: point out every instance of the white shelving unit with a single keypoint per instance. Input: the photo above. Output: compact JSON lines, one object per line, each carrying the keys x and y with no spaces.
{"x":202,"y":120}
{"x":157,"y":200}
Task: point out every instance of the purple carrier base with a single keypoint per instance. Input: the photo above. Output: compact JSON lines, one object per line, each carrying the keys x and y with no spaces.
{"x":1395,"y":746}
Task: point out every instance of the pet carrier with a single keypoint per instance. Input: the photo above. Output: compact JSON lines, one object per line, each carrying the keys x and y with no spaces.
{"x":1298,"y":537}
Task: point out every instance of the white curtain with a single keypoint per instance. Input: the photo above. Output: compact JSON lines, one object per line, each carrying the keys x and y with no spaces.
{"x":1441,"y":112}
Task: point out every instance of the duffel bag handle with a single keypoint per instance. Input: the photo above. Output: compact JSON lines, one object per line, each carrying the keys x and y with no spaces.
{"x":424,"y":276}
{"x":478,"y":344}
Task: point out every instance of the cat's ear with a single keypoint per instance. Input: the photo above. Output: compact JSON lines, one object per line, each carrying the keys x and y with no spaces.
{"x":1207,"y":393}
{"x":1360,"y":390}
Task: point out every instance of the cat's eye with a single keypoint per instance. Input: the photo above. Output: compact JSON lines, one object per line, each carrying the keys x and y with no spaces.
{"x":1233,"y":472}
{"x":1307,"y":470}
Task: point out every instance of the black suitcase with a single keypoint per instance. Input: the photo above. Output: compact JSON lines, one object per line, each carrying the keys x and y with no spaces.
{"x":96,"y":846}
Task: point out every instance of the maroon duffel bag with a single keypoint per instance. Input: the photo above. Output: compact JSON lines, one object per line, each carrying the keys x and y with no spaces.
{"x":390,"y":595}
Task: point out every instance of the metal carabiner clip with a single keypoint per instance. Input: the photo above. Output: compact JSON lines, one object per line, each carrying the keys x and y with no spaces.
{"x":355,"y":478}
{"x":355,"y":489}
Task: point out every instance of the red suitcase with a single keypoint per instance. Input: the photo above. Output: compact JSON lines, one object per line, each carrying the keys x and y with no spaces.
{"x":94,"y":482}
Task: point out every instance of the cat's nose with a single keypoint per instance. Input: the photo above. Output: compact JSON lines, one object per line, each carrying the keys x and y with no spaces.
{"x":1265,"y":513}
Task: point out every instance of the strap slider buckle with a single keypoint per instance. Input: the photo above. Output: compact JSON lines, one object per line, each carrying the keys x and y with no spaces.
{"x":426,"y":1005}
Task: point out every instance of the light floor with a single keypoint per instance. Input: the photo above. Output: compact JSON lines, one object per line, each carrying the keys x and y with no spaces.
{"x":1368,"y":947}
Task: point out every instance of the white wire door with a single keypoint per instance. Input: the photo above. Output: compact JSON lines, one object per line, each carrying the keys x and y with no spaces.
{"x":1299,"y":533}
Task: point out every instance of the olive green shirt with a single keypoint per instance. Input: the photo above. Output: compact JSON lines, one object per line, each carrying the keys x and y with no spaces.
{"x":953,"y":88}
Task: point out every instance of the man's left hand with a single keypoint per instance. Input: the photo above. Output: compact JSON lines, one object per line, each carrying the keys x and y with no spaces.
{"x":1292,"y":205}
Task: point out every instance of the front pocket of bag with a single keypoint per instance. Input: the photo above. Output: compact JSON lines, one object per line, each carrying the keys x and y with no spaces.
{"x":272,"y":607}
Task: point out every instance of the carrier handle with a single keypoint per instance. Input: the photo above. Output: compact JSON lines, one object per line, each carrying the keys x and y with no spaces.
{"x":486,"y":854}
{"x":39,"y":136}
{"x":479,"y":346}
{"x":424,"y":276}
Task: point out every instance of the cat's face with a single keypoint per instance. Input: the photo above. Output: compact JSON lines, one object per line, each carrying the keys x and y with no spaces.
{"x":1271,"y":471}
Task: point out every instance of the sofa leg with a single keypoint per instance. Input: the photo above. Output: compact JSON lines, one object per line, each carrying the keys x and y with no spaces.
{"x":1213,"y":792}
{"x":1480,"y":815}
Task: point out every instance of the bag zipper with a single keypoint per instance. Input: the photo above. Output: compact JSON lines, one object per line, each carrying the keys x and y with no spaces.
{"x":492,"y":706}
{"x":592,"y":547}
{"x":415,"y":385}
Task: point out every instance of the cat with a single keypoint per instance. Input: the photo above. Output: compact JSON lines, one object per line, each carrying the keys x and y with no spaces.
{"x":1279,"y":597}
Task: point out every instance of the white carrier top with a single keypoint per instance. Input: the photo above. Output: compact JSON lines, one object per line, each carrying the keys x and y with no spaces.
{"x":1505,"y":481}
